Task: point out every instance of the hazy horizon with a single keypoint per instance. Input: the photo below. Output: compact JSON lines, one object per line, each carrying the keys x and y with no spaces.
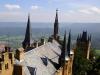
{"x":49,"y":24}
{"x":17,"y":30}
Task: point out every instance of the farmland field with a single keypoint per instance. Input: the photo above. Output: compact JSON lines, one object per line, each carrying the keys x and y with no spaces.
{"x":98,"y":52}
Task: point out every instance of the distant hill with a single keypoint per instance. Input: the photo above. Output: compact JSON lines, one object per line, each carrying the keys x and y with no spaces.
{"x":15,"y":30}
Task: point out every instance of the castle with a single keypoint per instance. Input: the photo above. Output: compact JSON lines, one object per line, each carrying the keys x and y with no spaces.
{"x":52,"y":57}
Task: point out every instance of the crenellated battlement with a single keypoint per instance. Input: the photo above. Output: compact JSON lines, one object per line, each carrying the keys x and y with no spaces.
{"x":6,"y":61}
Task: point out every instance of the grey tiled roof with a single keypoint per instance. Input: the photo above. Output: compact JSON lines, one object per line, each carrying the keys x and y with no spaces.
{"x":39,"y":60}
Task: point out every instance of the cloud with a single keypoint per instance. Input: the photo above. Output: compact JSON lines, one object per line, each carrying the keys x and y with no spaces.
{"x":85,"y":11}
{"x":82,"y":14}
{"x":95,"y":9}
{"x":34,"y":7}
{"x":12,"y":6}
{"x":71,"y":11}
{"x":47,"y":17}
{"x":90,"y":10}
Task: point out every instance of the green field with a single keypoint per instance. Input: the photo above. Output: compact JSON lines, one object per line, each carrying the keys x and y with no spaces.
{"x":97,"y":53}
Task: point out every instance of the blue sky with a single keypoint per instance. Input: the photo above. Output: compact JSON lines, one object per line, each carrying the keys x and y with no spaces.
{"x":44,"y":10}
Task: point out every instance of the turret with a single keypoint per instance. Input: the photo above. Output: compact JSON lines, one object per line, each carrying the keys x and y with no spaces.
{"x":83,"y":44}
{"x":56,"y":27}
{"x":26,"y":42}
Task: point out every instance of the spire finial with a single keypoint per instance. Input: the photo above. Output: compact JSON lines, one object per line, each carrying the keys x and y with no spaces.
{"x":57,"y":13}
{"x":57,"y":10}
{"x":28,"y":16}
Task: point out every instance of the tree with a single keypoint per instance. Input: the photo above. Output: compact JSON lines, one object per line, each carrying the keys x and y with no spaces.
{"x":81,"y":65}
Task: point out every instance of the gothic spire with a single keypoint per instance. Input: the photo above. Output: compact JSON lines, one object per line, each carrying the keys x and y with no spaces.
{"x":26,"y":42}
{"x":63,"y":52}
{"x":56,"y":26}
{"x":89,"y":37}
{"x":69,"y":43}
{"x":64,"y":42}
{"x":78,"y":37}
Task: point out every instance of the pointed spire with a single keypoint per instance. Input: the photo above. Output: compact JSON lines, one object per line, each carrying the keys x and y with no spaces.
{"x":56,"y":18}
{"x":78,"y":38}
{"x":89,"y":38}
{"x":26,"y":42}
{"x":63,"y":52}
{"x":69,"y":43}
{"x":64,"y":42}
{"x":56,"y":26}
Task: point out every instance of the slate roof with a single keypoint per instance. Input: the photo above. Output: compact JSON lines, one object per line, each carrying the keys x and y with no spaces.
{"x":42,"y":60}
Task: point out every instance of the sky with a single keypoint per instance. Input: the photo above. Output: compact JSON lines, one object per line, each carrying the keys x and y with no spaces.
{"x":83,"y":11}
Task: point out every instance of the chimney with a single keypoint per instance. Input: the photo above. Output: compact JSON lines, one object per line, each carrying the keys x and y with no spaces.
{"x":36,"y":44}
{"x":50,"y":39}
{"x":7,"y":49}
{"x":20,"y":54}
{"x":42,"y":41}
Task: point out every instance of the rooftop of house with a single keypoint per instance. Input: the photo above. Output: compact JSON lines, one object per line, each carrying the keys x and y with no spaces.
{"x":42,"y":60}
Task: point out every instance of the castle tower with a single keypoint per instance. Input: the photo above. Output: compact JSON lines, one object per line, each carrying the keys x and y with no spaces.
{"x":26,"y":42}
{"x":56,"y":27}
{"x":84,"y":44}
